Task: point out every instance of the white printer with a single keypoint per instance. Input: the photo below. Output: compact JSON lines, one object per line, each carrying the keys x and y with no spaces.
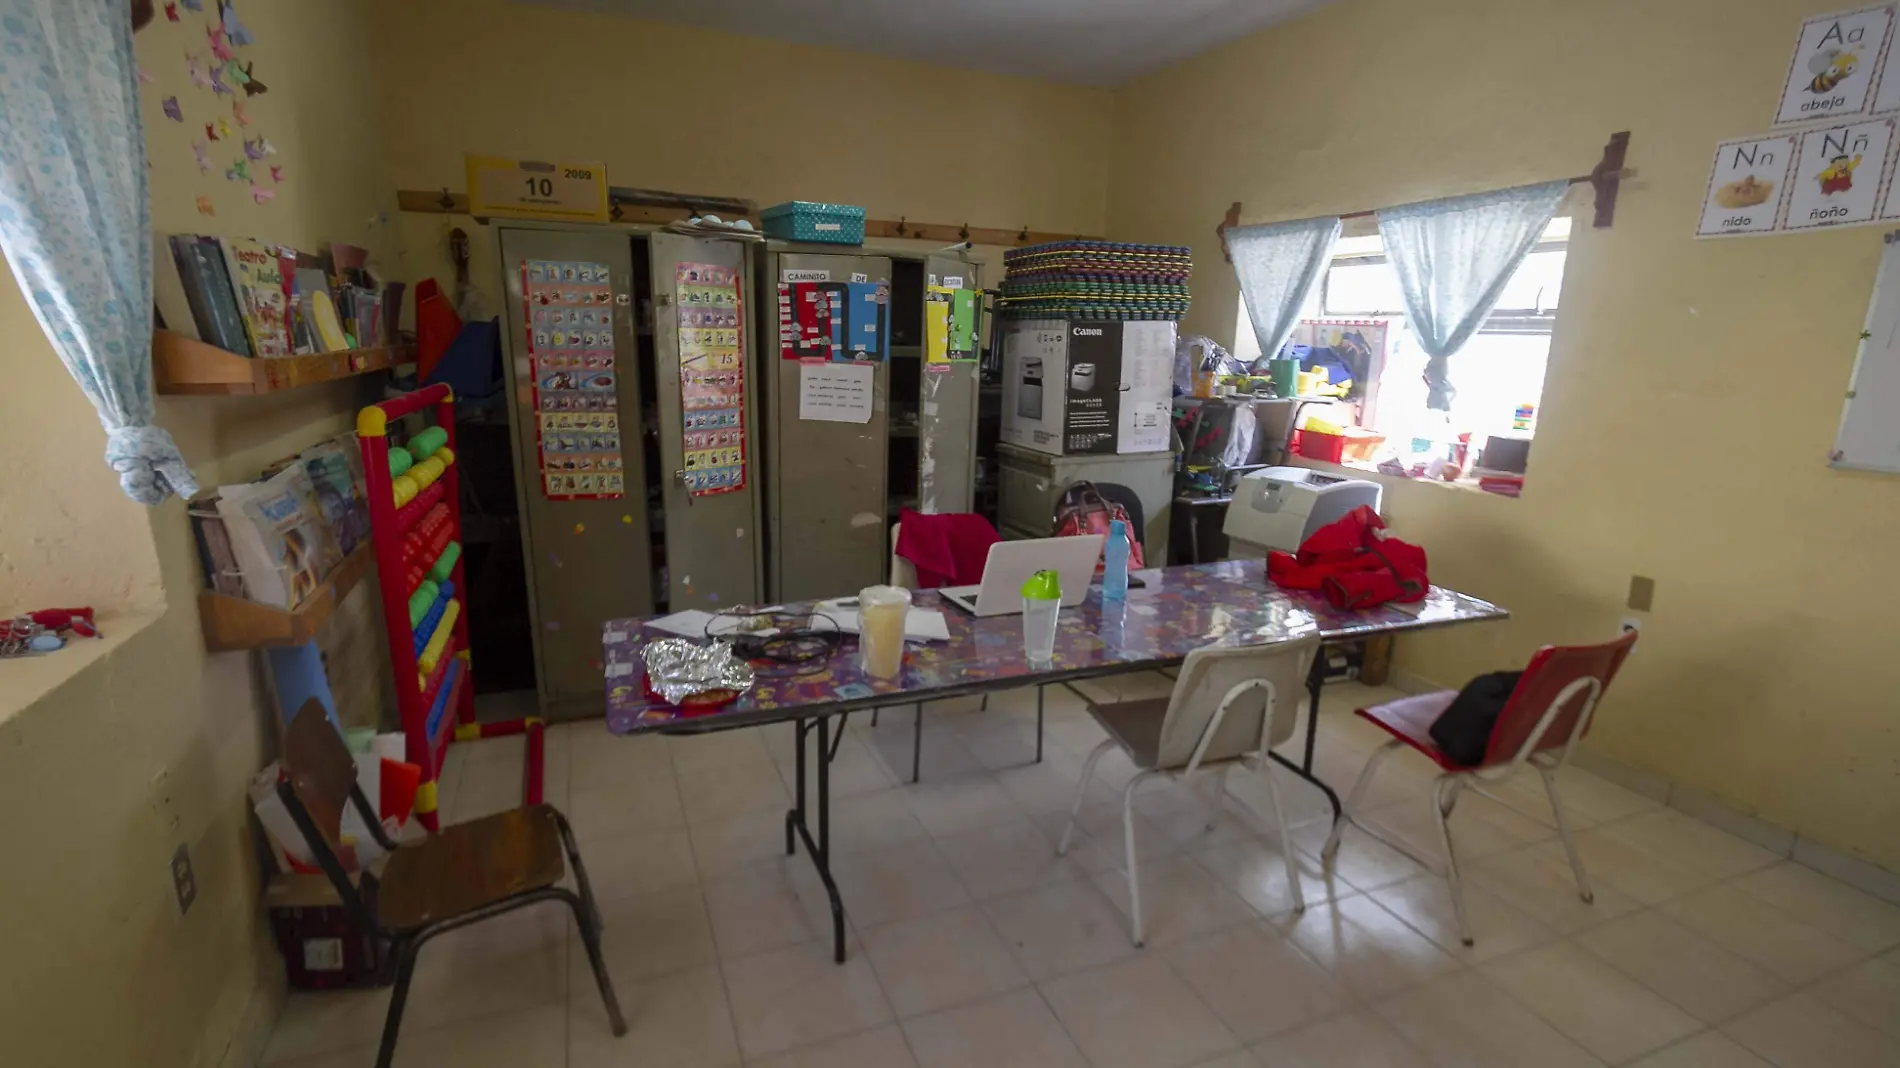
{"x":1278,"y":507}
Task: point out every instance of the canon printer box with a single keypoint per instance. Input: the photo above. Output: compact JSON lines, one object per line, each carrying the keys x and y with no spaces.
{"x":1082,"y":388}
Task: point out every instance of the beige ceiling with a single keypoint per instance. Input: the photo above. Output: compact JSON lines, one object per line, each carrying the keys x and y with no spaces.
{"x":1089,"y":42}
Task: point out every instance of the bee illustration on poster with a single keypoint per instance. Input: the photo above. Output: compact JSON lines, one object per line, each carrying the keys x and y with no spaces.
{"x":1836,"y":59}
{"x":1837,"y":179}
{"x":1747,"y":184}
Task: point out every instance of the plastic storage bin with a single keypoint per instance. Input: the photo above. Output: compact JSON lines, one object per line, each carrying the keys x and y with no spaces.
{"x":805,"y":220}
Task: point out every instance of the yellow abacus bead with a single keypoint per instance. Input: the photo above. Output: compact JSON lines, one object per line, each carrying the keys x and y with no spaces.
{"x":444,"y":454}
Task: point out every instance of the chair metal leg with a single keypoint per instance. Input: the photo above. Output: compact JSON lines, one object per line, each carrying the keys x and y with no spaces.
{"x":1445,"y":792}
{"x":985,"y":706}
{"x":1081,"y":791}
{"x":1038,"y":724}
{"x":590,"y":937}
{"x":874,"y":713}
{"x":1359,"y":788}
{"x":1128,"y":843}
{"x":398,"y":996}
{"x":580,"y":870}
{"x":1286,"y":837}
{"x":1563,"y":831}
{"x":917,"y":745}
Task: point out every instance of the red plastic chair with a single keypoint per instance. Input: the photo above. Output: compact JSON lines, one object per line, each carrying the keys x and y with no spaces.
{"x":1539,"y":726}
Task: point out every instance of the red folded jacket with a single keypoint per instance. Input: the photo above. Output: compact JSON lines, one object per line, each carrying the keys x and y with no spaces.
{"x":1354,"y":563}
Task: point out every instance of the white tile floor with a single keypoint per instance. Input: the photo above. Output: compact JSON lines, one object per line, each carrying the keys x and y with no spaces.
{"x":971,"y":944}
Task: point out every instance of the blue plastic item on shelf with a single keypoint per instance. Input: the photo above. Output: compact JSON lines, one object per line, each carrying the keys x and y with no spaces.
{"x":805,"y":220}
{"x":1115,"y":554}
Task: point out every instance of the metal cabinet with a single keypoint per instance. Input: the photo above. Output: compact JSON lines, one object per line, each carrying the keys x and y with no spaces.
{"x":1031,"y":481}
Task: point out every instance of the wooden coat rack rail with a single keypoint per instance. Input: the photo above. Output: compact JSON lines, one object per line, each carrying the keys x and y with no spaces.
{"x":638,"y":206}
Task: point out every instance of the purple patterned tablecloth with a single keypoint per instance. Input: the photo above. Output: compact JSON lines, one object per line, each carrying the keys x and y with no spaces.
{"x":1228,"y":602}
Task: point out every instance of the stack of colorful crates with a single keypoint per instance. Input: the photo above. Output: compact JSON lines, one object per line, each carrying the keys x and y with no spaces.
{"x":1096,"y":280}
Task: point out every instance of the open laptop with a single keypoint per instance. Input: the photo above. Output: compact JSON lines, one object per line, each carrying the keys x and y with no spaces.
{"x":1010,"y":564}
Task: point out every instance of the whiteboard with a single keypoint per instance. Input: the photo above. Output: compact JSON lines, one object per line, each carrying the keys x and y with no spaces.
{"x":1870,"y":422}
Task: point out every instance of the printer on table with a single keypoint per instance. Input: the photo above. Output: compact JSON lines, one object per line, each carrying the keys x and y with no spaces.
{"x":1279,"y":507}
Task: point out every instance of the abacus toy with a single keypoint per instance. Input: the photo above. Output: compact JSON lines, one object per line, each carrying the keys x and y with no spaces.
{"x":416,"y":527}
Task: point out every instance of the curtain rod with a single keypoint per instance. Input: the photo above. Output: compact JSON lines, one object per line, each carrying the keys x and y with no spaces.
{"x":1606,"y":176}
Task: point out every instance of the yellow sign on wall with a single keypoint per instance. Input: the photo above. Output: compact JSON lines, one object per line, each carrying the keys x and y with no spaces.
{"x":576,"y":192}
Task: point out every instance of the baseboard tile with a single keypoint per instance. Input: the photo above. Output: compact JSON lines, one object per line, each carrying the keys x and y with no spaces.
{"x":1856,"y":873}
{"x":1859,"y":874}
{"x":1631,"y":778}
{"x":252,"y":1035}
{"x":1400,"y":679}
{"x":1712,"y":811}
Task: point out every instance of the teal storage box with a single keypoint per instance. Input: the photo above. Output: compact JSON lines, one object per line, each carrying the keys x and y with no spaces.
{"x":805,"y":220}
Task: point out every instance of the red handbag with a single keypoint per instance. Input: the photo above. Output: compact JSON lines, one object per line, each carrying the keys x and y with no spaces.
{"x":1083,"y":510}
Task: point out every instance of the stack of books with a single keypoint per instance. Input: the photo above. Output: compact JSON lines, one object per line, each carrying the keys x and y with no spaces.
{"x":1096,"y":280}
{"x":276,"y":540}
{"x":257,"y":299}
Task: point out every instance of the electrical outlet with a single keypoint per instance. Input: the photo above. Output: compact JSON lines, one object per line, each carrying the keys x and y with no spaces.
{"x":183,"y":881}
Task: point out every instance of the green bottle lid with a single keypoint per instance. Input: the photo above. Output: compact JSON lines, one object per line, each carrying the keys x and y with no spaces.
{"x":1043,"y":586}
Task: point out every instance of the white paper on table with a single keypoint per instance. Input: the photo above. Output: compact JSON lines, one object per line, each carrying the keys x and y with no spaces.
{"x":696,"y":623}
{"x":836,"y":392}
{"x":920,"y":624}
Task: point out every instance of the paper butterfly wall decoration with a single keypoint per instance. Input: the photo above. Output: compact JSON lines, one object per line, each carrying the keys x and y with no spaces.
{"x":239,"y":172}
{"x":235,"y":74}
{"x":253,"y":87}
{"x":237,"y":112}
{"x":235,"y":30}
{"x":224,"y":128}
{"x":211,"y":131}
{"x":144,"y":77}
{"x":201,"y":150}
{"x":253,"y":149}
{"x":261,"y":195}
{"x":217,"y":82}
{"x":171,"y":12}
{"x":204,"y":206}
{"x":198,"y":76}
{"x":171,"y":109}
{"x":219,"y":48}
{"x":277,"y":172}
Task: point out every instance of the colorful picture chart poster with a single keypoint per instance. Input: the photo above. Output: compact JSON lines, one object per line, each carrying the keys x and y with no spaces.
{"x":937,"y":301}
{"x":1832,"y":71}
{"x":712,"y":377}
{"x":576,"y":385}
{"x":1837,"y":175}
{"x":1746,"y":186}
{"x":806,"y":305}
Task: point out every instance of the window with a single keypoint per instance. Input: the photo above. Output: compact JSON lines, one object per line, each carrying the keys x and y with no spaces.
{"x":1497,"y":373}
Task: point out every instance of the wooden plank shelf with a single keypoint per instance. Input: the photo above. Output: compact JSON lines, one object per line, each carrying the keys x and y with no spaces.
{"x":235,"y":623}
{"x":181,"y":365}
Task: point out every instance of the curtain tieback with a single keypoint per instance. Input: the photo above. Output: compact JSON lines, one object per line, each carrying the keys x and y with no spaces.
{"x":149,"y":464}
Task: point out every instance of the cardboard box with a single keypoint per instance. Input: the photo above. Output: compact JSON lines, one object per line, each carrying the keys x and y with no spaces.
{"x":1088,"y":388}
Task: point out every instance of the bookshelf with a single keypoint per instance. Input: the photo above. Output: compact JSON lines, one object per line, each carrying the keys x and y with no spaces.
{"x":234,"y":623}
{"x":184,"y":366}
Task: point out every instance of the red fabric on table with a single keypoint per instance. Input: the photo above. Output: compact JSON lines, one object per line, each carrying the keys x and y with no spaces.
{"x":948,"y":550}
{"x":1354,"y":563}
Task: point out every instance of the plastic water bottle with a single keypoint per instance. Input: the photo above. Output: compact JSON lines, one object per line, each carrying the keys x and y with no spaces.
{"x":1115,"y":562}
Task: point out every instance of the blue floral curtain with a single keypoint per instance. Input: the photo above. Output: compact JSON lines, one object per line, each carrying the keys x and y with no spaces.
{"x":75,"y":221}
{"x":1453,"y":258}
{"x":1278,"y":264}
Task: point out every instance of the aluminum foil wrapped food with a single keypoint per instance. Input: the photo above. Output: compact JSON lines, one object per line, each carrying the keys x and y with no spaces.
{"x":680,"y":670}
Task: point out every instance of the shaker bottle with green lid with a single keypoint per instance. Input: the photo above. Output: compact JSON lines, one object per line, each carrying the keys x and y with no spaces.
{"x":1042,"y":603}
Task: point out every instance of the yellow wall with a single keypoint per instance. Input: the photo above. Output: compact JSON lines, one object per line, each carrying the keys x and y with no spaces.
{"x":151,"y":729}
{"x":669,"y":107}
{"x":1694,"y":387}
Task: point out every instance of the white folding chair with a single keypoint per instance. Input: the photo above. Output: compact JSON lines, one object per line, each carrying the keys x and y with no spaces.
{"x":1230,"y":705}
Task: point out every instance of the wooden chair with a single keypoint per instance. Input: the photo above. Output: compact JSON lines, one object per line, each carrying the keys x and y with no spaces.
{"x":1230,"y":705}
{"x":1551,"y":707}
{"x":468,"y":873}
